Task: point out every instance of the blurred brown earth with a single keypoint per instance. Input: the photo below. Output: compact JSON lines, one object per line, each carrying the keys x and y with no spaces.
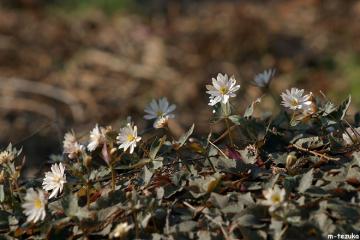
{"x":61,"y":72}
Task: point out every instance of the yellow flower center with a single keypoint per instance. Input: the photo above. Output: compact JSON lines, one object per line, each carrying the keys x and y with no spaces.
{"x":159,"y":113}
{"x":130,"y":137}
{"x":37,"y":203}
{"x":294,"y":102}
{"x":223,"y":90}
{"x":57,"y":179}
{"x":275,"y":198}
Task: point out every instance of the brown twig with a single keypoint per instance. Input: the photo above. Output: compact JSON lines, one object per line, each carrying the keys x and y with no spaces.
{"x":313,"y":152}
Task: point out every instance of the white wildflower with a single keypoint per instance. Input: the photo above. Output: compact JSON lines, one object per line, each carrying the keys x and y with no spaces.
{"x":6,"y":156}
{"x":34,"y":206}
{"x":306,"y":112}
{"x":71,"y":146}
{"x":54,"y":181}
{"x":355,"y":136}
{"x":295,"y":100}
{"x":222,"y":89}
{"x":9,"y":154}
{"x":159,"y":109}
{"x":121,"y":230}
{"x":128,"y":138}
{"x":274,"y":197}
{"x":97,"y":137}
{"x":161,"y":122}
{"x":263,"y":79}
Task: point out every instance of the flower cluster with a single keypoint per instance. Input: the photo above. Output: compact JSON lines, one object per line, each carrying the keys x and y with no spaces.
{"x":122,"y":183}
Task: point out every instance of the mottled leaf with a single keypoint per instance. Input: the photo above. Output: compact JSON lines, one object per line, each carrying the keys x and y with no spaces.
{"x":305,"y":181}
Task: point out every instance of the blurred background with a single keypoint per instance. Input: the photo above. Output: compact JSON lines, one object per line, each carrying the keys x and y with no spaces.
{"x":69,"y":64}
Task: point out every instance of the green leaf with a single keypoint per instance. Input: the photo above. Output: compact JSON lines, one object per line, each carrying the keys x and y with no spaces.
{"x":218,"y":200}
{"x":305,"y":181}
{"x":356,"y":156}
{"x":237,"y":120}
{"x":155,"y":147}
{"x":72,"y":209}
{"x":271,"y":183}
{"x":324,"y":222}
{"x":309,"y":142}
{"x":290,"y":183}
{"x":341,"y":111}
{"x":145,"y":220}
{"x":250,"y":109}
{"x":185,"y":137}
{"x":277,"y":227}
{"x":170,"y":190}
{"x":328,"y":108}
{"x":2,"y":193}
{"x":357,"y":119}
{"x":185,"y":226}
{"x":147,"y":175}
{"x":4,"y":219}
{"x":158,"y":162}
{"x":253,"y":235}
{"x":105,"y":232}
{"x":247,"y":220}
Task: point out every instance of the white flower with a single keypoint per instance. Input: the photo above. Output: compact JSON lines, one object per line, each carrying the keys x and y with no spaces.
{"x":222,"y":89}
{"x":307,"y":111}
{"x":97,"y":137}
{"x":354,"y":133}
{"x":159,"y":109}
{"x":54,"y":180}
{"x":6,"y":156}
{"x":274,"y":197}
{"x":121,"y":230}
{"x":128,"y":138}
{"x":161,"y":122}
{"x":34,"y":206}
{"x":295,"y":100}
{"x":71,"y":146}
{"x":9,"y":154}
{"x":263,"y":79}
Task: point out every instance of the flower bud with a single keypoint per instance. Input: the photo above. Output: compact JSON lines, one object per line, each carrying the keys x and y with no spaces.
{"x":290,"y":161}
{"x":113,"y":151}
{"x":2,"y":176}
{"x":87,"y":160}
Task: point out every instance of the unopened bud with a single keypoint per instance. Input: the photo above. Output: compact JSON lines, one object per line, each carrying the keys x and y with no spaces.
{"x":290,"y":161}
{"x":2,"y":176}
{"x":87,"y":161}
{"x":113,"y":151}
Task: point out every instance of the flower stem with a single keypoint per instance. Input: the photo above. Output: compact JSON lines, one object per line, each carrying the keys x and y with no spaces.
{"x":136,"y":224}
{"x":229,"y":131}
{"x":113,"y":177}
{"x":211,"y":164}
{"x":88,"y":194}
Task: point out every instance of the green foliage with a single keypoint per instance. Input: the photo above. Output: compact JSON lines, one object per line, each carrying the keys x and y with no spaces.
{"x":277,"y":177}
